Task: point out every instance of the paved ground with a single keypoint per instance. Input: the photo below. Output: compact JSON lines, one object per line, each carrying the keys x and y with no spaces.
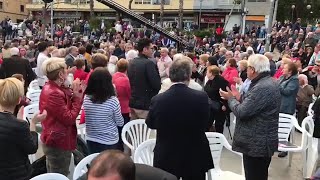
{"x":279,"y":169}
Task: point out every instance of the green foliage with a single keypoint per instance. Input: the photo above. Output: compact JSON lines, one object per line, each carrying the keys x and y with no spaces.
{"x":203,"y":33}
{"x":94,"y":23}
{"x":285,"y":12}
{"x":236,"y":1}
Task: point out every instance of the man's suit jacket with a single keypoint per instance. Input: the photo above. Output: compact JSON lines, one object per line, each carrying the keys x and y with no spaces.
{"x":17,"y":65}
{"x":181,"y":115}
{"x":69,"y":60}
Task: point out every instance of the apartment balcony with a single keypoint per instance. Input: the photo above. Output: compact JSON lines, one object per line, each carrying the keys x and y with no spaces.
{"x":215,"y":5}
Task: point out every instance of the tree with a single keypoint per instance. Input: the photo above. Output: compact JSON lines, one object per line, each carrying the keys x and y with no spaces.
{"x":161,"y":12}
{"x":91,"y":8}
{"x":180,"y":14}
{"x":130,"y":4}
{"x":285,"y":11}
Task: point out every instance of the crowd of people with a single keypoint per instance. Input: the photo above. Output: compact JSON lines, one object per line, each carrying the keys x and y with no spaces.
{"x":112,"y":79}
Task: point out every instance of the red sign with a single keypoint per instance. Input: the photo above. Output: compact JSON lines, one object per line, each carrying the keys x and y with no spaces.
{"x":208,"y":19}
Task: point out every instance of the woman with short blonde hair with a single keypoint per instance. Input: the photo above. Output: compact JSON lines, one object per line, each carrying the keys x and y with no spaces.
{"x":17,"y":140}
{"x":63,"y":106}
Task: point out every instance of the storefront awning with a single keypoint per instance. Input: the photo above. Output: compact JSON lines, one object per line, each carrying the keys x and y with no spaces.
{"x":255,"y":18}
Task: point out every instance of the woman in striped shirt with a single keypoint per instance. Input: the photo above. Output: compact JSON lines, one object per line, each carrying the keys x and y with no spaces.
{"x":102,"y":112}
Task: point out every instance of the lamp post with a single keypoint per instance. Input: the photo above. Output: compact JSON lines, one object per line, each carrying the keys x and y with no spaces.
{"x":309,"y":14}
{"x":292,"y":10}
{"x":200,"y":14}
{"x":51,"y":20}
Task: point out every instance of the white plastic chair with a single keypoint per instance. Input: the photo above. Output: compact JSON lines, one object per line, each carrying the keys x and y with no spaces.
{"x":310,"y":111}
{"x":81,"y":128}
{"x":144,"y":153}
{"x":134,"y":133}
{"x":82,"y":168}
{"x":216,"y":142}
{"x":33,"y":157}
{"x":312,"y":150}
{"x":29,"y":111}
{"x":286,"y":124}
{"x":34,"y":85}
{"x":50,"y":176}
{"x":34,"y":96}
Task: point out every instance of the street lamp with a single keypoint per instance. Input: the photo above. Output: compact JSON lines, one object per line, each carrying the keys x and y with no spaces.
{"x":292,"y":10}
{"x":200,"y":14}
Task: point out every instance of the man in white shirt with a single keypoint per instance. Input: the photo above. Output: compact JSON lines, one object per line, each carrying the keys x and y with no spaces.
{"x":43,"y":56}
{"x":164,"y":63}
{"x":118,"y":27}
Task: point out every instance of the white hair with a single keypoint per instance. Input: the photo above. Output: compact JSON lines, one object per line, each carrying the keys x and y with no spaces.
{"x":113,"y":59}
{"x":131,"y":54}
{"x":14,"y":51}
{"x":164,"y":49}
{"x":304,"y":78}
{"x":177,"y":56}
{"x":229,"y":52}
{"x":259,"y":62}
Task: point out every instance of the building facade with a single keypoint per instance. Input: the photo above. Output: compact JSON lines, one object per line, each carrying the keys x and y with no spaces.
{"x":14,"y":9}
{"x":206,"y":13}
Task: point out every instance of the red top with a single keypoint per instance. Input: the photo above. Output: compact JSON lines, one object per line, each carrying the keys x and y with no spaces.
{"x":59,"y":127}
{"x":80,"y":74}
{"x":88,"y":76}
{"x":229,"y":74}
{"x":122,"y":84}
{"x":279,"y":73}
{"x":219,"y":30}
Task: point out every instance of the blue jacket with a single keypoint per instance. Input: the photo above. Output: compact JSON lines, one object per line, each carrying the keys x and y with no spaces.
{"x":289,"y":89}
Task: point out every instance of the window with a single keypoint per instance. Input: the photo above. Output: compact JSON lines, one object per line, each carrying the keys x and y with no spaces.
{"x":257,"y":0}
{"x":158,"y":2}
{"x":142,"y":1}
{"x":21,"y":8}
{"x":1,"y":5}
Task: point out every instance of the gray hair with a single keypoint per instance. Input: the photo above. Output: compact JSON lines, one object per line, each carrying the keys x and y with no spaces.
{"x":180,"y":70}
{"x":259,"y":62}
{"x":131,"y":54}
{"x":177,"y":57}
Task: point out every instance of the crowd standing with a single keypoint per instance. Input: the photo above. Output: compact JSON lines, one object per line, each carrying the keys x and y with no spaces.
{"x":114,"y":77}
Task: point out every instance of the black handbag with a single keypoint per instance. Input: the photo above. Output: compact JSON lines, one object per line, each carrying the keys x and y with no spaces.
{"x":215,"y":105}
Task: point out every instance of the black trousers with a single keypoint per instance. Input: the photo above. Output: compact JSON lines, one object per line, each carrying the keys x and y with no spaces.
{"x":256,"y":168}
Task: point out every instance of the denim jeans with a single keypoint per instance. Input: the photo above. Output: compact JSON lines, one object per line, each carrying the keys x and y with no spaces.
{"x":95,"y":147}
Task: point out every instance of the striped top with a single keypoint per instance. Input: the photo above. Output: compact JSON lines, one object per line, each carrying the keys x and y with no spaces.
{"x":102,"y":120}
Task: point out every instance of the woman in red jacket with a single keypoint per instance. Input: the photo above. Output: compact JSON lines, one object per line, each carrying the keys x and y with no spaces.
{"x":121,"y":82}
{"x":63,"y":106}
{"x":231,"y":71}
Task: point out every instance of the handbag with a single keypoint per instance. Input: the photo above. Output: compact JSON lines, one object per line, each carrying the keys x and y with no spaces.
{"x":215,"y":105}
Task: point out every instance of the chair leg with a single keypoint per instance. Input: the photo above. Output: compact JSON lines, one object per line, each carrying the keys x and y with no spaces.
{"x":290,"y":158}
{"x":209,"y":175}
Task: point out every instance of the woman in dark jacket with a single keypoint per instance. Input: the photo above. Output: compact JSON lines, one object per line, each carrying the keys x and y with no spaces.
{"x":17,"y":139}
{"x":289,"y":87}
{"x":216,"y":82}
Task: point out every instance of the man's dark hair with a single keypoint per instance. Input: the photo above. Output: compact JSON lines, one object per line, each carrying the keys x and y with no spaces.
{"x":142,"y":43}
{"x":89,"y":48}
{"x":111,"y":162}
{"x":42,"y":46}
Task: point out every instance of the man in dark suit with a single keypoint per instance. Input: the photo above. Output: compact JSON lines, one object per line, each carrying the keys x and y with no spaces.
{"x":17,"y":65}
{"x":180,"y":115}
{"x":144,"y":79}
{"x":74,"y":52}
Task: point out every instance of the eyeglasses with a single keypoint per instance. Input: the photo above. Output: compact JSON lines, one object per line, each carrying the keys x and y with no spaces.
{"x":318,"y":65}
